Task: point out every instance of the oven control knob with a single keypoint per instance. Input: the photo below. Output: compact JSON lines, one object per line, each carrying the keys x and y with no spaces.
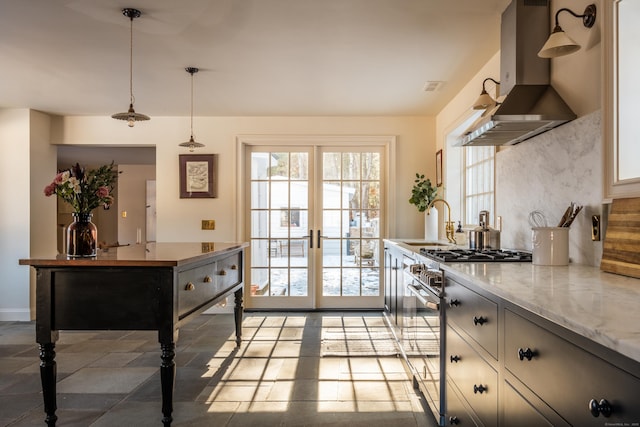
{"x":479,"y":320}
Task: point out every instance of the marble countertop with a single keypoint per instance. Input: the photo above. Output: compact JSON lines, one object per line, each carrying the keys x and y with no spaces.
{"x":601,"y":306}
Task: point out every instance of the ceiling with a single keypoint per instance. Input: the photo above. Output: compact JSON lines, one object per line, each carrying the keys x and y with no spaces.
{"x":256,"y":57}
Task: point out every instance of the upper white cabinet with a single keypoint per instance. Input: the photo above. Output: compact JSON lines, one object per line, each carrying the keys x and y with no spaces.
{"x":621,"y":92}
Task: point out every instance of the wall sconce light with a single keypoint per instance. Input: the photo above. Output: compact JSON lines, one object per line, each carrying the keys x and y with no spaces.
{"x":485,"y":101}
{"x":130,"y":115}
{"x":559,"y":43}
{"x":191,"y":144}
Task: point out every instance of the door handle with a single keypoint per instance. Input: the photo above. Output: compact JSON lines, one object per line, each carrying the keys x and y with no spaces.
{"x":320,"y":237}
{"x":311,"y":239}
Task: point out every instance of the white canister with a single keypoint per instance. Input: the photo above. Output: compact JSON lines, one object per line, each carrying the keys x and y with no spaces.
{"x":550,"y":245}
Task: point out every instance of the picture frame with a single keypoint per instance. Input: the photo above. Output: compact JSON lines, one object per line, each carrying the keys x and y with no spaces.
{"x":198,"y":176}
{"x":439,"y":168}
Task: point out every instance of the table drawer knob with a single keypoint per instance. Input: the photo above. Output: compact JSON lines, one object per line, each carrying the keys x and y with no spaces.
{"x":223,"y":273}
{"x":454,"y":421}
{"x":189,"y":287}
{"x":603,"y":407}
{"x":454,"y":358}
{"x":234,"y":267}
{"x":454,"y":302}
{"x":207,"y":279}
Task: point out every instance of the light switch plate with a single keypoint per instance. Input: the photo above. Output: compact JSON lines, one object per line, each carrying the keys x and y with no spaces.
{"x":208,"y":224}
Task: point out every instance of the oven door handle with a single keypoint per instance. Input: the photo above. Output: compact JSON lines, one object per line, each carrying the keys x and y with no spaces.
{"x":424,"y":301}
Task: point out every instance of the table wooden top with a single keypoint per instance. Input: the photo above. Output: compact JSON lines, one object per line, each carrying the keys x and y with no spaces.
{"x":147,"y":255}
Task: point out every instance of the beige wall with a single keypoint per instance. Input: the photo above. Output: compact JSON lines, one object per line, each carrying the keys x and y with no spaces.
{"x":132,"y":200}
{"x":180,"y":219}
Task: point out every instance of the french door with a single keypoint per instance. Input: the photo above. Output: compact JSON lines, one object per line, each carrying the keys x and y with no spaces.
{"x":314,"y":224}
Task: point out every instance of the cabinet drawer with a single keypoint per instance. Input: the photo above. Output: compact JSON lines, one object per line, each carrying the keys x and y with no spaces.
{"x":527,"y":411}
{"x":474,"y":377}
{"x":457,"y":414}
{"x":196,"y":287}
{"x":475,"y":314}
{"x":568,"y":377}
{"x":228,"y":270}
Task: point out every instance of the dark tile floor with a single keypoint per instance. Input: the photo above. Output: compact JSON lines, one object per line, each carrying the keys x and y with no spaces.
{"x":277,"y":378}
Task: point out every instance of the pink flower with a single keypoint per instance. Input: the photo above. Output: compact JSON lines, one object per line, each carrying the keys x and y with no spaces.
{"x":50,"y":189}
{"x":102,"y":192}
{"x":61,"y":177}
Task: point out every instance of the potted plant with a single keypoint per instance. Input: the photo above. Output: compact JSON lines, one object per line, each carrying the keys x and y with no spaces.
{"x":422,"y":194}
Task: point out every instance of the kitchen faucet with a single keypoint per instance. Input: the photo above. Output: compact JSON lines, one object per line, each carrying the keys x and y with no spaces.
{"x":449,"y":224}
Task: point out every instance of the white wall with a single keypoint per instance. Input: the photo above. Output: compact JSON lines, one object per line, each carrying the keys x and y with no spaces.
{"x":25,"y":228}
{"x":180,"y":219}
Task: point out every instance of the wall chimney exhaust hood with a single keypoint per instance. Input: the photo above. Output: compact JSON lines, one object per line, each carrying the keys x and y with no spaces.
{"x":531,"y":105}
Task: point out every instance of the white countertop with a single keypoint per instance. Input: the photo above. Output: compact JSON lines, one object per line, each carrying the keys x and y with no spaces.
{"x":601,"y":306}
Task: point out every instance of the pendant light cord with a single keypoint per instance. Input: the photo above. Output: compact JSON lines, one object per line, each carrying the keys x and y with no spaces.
{"x":191,"y":104}
{"x":131,"y":97}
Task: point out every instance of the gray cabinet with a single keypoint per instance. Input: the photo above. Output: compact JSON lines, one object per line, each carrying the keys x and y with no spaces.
{"x":568,"y":377}
{"x":516,"y":368}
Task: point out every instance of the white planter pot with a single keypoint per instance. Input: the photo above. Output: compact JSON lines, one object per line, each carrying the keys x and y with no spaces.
{"x":431,"y":225}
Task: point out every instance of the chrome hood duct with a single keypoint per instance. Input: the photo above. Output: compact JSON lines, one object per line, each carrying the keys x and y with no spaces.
{"x":531,"y":106}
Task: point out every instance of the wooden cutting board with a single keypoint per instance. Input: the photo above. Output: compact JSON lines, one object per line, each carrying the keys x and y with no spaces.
{"x":621,"y":250}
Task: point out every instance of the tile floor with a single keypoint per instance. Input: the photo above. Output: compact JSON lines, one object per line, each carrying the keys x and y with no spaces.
{"x":277,"y":378}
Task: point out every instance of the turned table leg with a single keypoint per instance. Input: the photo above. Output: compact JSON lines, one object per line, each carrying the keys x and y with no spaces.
{"x":48,"y":380}
{"x":238,"y":311}
{"x":167,"y":380}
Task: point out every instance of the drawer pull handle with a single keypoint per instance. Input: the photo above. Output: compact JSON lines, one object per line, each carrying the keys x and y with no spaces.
{"x":479,"y":320}
{"x":207,"y":279}
{"x":479,"y":389}
{"x":455,"y":358}
{"x":454,"y":303}
{"x":234,"y":267}
{"x":526,"y":353}
{"x":189,"y":287}
{"x":223,"y":273}
{"x":603,"y":407}
{"x":454,"y":420}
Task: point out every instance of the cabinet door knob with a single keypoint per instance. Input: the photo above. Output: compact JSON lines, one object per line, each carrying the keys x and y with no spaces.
{"x":189,"y":287}
{"x":527,"y":352}
{"x":479,"y":320}
{"x":454,"y":420}
{"x":454,"y":358}
{"x":603,"y":407}
{"x":454,"y":303}
{"x":479,"y":389}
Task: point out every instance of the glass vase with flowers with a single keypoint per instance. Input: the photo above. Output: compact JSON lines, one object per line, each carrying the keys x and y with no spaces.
{"x":84,"y":190}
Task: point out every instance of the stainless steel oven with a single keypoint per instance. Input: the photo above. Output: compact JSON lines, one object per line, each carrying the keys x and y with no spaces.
{"x":422,"y":329}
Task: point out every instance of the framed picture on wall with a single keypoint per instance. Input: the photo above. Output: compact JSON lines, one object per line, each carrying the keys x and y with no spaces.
{"x":438,"y":168}
{"x":198,"y":176}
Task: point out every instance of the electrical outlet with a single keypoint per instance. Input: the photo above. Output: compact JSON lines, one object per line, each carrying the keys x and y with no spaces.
{"x":595,"y":228}
{"x":208,"y":224}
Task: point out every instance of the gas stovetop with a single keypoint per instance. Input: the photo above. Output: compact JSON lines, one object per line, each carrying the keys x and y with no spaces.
{"x":472,"y":255}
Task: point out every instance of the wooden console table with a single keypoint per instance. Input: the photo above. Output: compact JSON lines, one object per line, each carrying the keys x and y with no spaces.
{"x":158,"y":286}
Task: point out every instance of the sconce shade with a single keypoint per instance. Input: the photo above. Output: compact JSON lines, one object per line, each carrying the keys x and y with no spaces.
{"x":485,"y":100}
{"x":559,"y":43}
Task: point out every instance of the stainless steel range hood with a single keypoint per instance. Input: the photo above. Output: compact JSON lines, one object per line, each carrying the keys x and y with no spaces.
{"x":531,"y":106}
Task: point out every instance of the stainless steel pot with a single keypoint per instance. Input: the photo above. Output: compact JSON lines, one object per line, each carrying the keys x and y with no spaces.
{"x":484,"y":237}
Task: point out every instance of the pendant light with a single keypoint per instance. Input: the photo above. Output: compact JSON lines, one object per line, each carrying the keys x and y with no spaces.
{"x":191,"y":144}
{"x":130,"y":115}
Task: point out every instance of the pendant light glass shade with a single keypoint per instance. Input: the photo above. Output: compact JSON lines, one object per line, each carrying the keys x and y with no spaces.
{"x":130,"y":115}
{"x":559,"y":43}
{"x":485,"y":100}
{"x":191,"y":144}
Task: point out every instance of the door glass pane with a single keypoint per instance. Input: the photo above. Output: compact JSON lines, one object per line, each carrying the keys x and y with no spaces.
{"x":331,"y":166}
